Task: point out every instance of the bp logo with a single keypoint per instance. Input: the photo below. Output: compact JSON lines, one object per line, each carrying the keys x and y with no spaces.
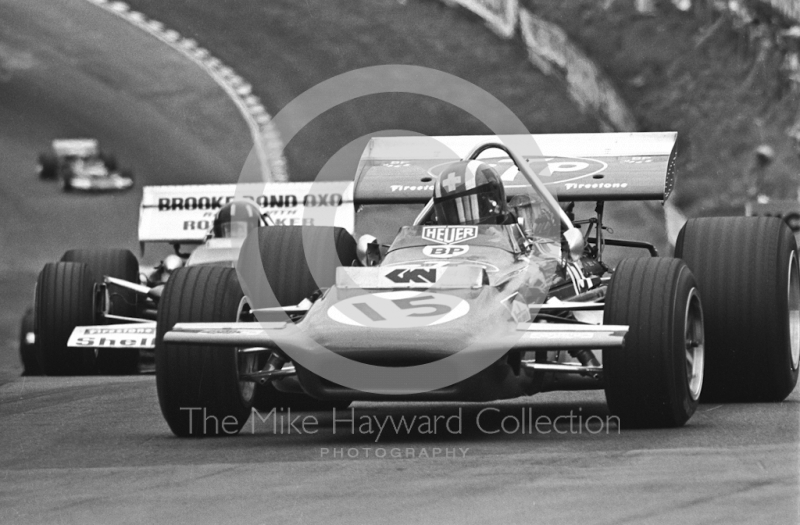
{"x":553,"y":170}
{"x":449,"y":234}
{"x":446,"y":251}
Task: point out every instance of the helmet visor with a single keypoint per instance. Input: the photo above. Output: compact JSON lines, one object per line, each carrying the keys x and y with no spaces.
{"x":480,"y":206}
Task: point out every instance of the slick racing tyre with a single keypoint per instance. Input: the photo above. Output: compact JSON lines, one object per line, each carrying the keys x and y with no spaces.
{"x":121,"y":264}
{"x":48,"y":166}
{"x":198,"y":386}
{"x":27,"y":345}
{"x":747,"y":272}
{"x":64,"y":300}
{"x":286,"y":265}
{"x":655,"y":380}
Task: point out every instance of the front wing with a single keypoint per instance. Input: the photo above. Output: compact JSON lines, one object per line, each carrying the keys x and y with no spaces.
{"x":527,"y":336}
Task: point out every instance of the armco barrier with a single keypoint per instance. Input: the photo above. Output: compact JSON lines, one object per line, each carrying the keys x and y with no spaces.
{"x":550,"y":50}
{"x":500,"y":15}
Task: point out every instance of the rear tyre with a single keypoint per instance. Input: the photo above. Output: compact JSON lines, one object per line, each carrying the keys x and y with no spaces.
{"x":121,"y":264}
{"x":64,"y":300}
{"x":27,"y":347}
{"x":655,"y":380}
{"x":291,"y":273}
{"x":198,"y":386}
{"x":747,"y":272}
{"x":48,"y":166}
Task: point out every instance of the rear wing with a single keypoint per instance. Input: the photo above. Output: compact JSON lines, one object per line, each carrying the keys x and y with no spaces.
{"x":575,"y":167}
{"x":76,"y":147}
{"x":184,"y":214}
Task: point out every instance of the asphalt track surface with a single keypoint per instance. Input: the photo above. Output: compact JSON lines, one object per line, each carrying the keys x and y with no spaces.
{"x":96,"y":450}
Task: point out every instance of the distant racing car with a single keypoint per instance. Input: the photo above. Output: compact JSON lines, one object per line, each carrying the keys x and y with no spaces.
{"x":80,"y":165}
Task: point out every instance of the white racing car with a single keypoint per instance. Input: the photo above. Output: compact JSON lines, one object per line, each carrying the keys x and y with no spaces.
{"x":114,"y":301}
{"x":80,"y":165}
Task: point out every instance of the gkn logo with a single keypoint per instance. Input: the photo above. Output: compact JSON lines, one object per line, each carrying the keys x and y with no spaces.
{"x":415,"y":275}
{"x":449,"y":234}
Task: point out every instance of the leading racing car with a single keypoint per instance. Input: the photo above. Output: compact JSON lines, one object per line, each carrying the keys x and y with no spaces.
{"x":490,"y":290}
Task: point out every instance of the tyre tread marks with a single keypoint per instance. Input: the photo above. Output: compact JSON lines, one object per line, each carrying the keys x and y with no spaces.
{"x":738,"y":263}
{"x":65,"y":299}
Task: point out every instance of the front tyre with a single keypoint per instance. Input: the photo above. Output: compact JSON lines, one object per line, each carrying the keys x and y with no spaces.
{"x":198,"y":386}
{"x":656,"y":379}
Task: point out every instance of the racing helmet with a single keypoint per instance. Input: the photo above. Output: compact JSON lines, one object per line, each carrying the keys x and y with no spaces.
{"x":470,"y":192}
{"x":236,"y":219}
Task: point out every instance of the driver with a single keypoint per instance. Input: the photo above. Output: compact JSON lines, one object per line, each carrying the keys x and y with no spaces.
{"x":236,"y":219}
{"x":470,"y":192}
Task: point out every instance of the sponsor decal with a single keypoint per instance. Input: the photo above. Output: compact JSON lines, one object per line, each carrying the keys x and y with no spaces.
{"x":205,"y":225}
{"x":562,"y":168}
{"x":444,"y":252}
{"x":109,"y":331}
{"x":449,"y":234}
{"x":105,"y":342}
{"x":113,"y":336}
{"x":427,"y":263}
{"x":595,"y":185}
{"x":263,"y":201}
{"x":402,"y":309}
{"x":413,"y":275}
{"x":400,"y":187}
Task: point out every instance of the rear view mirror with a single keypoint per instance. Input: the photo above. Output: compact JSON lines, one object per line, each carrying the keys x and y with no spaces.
{"x":575,"y":243}
{"x":368,"y":250}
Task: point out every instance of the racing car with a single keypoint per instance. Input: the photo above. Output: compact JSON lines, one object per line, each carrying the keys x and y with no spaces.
{"x":80,"y":165}
{"x":95,"y":309}
{"x":490,"y":289}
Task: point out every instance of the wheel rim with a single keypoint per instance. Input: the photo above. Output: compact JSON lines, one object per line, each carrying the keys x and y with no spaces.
{"x":694,"y":344}
{"x":794,"y":310}
{"x":247,"y":361}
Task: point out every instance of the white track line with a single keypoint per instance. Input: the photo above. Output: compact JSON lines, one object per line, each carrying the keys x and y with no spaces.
{"x":266,"y":139}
